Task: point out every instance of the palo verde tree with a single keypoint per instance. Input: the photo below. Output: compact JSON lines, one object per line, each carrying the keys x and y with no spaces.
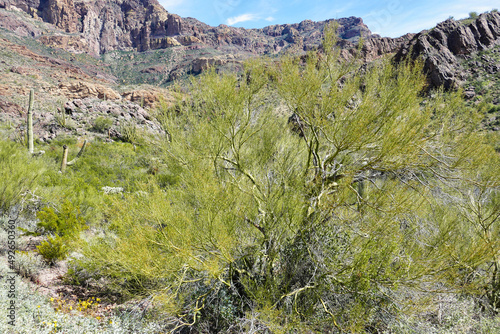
{"x":319,"y":224}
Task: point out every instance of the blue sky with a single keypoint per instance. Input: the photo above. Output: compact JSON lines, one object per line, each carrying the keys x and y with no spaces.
{"x":391,"y":18}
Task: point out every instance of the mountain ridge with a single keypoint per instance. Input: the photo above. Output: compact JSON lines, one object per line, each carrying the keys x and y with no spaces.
{"x":102,"y":26}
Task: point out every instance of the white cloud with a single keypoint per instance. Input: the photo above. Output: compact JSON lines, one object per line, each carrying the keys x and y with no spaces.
{"x":242,"y":18}
{"x":172,"y":4}
{"x":270,"y":19}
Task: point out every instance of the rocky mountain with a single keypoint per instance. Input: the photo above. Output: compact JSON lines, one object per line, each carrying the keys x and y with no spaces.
{"x":445,"y":47}
{"x":101,"y":26}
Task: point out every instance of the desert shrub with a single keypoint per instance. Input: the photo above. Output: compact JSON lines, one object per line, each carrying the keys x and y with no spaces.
{"x":493,"y":108}
{"x":473,"y":15}
{"x":447,"y":313}
{"x":4,"y":246}
{"x":129,"y":132}
{"x":103,"y":164}
{"x":19,"y":173}
{"x":66,"y":222}
{"x":63,"y":228}
{"x":28,"y":264}
{"x":102,"y":124}
{"x":63,"y":120}
{"x":53,"y":249}
{"x":36,"y":313}
{"x":374,"y":188}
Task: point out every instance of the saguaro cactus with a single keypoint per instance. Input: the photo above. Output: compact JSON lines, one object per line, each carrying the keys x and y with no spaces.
{"x":65,"y":162}
{"x":30,"y":122}
{"x":64,"y":159}
{"x":79,"y":153}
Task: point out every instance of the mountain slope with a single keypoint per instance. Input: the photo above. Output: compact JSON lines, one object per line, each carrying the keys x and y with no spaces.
{"x":443,"y":47}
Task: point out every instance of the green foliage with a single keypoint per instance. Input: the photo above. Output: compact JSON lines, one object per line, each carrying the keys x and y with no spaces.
{"x":36,"y":314}
{"x":486,"y":84}
{"x":65,"y":223}
{"x":129,"y":132}
{"x":62,"y":119}
{"x":63,"y":228}
{"x":53,"y":249}
{"x":102,"y":124}
{"x":114,"y":164}
{"x":492,"y":109}
{"x":302,"y":195}
{"x":322,"y":221}
{"x":19,"y":173}
{"x":473,"y":15}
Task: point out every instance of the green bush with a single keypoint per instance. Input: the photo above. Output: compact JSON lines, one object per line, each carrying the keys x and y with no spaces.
{"x":67,"y":222}
{"x":320,"y":223}
{"x":63,"y":228}
{"x":102,"y":124}
{"x":129,"y":132}
{"x":493,"y":108}
{"x":19,"y":173}
{"x":333,"y":220}
{"x":112,"y":164}
{"x":53,"y":249}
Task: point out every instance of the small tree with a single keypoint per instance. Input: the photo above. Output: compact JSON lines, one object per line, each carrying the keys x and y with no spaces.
{"x":321,"y":227}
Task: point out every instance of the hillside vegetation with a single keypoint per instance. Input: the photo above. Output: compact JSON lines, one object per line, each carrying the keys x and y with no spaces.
{"x":300,"y":196}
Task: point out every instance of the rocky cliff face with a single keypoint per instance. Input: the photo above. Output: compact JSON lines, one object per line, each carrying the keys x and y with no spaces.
{"x":101,"y":26}
{"x":443,"y":47}
{"x":374,"y":48}
{"x":105,"y":25}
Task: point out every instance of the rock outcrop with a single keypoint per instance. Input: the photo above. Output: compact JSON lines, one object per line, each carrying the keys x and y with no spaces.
{"x":10,"y":21}
{"x":148,"y":98}
{"x":82,"y":89}
{"x":75,"y":44}
{"x":62,"y":14}
{"x":374,"y":48}
{"x":442,"y":47}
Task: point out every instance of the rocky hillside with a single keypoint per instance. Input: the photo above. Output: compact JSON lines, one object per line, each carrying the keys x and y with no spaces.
{"x":445,"y":47}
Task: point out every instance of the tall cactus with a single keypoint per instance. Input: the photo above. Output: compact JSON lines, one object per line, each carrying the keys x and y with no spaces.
{"x":65,"y":162}
{"x":79,"y":154}
{"x":30,"y":122}
{"x":64,"y":159}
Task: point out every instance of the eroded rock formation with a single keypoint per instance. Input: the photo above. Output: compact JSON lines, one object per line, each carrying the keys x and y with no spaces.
{"x":441,"y":47}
